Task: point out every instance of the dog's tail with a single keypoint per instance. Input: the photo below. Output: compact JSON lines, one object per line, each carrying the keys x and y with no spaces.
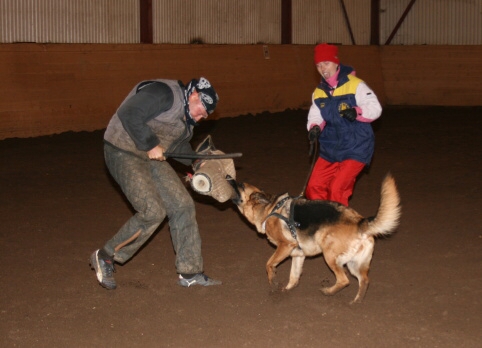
{"x":389,"y":211}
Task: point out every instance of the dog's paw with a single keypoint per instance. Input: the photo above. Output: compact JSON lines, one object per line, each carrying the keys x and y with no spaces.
{"x":276,"y":286}
{"x":357,"y":300}
{"x":327,"y":291}
{"x":291,"y":285}
{"x":285,"y":289}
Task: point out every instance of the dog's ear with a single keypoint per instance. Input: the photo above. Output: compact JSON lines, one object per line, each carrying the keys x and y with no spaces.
{"x":259,"y":197}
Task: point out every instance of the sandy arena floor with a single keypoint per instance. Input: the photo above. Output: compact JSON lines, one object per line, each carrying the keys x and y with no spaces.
{"x":58,"y":204}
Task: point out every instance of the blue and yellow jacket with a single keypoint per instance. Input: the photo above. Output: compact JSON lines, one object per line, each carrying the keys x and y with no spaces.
{"x":341,"y":139}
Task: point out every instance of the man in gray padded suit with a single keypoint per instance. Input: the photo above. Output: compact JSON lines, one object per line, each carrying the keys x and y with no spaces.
{"x":157,"y":116}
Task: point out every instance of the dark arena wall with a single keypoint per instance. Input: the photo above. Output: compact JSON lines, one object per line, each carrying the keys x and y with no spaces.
{"x":54,"y":88}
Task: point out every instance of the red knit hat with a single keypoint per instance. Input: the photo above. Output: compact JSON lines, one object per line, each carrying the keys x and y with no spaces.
{"x":326,"y":53}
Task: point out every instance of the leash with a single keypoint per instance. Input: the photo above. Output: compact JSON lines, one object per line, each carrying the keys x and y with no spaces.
{"x":313,"y":161}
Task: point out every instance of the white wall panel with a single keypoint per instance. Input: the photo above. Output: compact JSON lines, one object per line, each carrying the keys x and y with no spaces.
{"x":317,"y":21}
{"x":18,"y":20}
{"x":432,"y":22}
{"x":217,"y":21}
{"x":69,"y":21}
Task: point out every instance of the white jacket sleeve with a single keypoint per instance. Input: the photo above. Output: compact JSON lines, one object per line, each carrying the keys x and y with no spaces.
{"x":314,"y":115}
{"x":368,"y":102}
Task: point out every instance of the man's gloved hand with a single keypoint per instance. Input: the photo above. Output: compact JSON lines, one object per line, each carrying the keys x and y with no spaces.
{"x":314,"y":133}
{"x":349,"y":114}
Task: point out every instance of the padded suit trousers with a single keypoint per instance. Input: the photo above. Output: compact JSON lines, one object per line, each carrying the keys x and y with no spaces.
{"x":155,"y":191}
{"x":333,"y":181}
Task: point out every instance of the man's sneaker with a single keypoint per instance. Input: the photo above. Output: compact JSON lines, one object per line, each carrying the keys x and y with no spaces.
{"x":103,"y":265}
{"x":198,"y":279}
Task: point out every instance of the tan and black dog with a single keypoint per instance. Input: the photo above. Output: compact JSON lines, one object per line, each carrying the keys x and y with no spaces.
{"x":300,"y":228}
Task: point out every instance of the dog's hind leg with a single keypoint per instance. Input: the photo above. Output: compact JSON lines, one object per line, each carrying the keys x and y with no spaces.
{"x":359,"y":267}
{"x":296,"y":270}
{"x":341,"y":278}
{"x":361,"y":273}
{"x":282,"y":252}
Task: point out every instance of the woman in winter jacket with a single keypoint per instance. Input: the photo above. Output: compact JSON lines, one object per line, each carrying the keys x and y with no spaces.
{"x":343,"y":106}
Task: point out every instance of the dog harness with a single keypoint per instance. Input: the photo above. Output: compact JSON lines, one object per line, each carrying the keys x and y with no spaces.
{"x":290,"y":222}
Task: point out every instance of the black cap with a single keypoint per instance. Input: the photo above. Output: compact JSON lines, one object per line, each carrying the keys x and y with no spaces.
{"x":207,"y":94}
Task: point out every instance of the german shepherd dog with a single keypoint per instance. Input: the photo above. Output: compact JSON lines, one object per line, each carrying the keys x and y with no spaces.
{"x":300,"y":228}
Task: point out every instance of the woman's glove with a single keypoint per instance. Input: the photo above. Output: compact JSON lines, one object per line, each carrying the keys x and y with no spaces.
{"x":349,"y":114}
{"x":314,"y":133}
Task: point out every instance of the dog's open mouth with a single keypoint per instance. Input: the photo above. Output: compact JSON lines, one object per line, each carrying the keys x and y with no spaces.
{"x":236,"y":186}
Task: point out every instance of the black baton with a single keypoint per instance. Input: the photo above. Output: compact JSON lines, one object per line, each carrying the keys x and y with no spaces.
{"x":201,"y":156}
